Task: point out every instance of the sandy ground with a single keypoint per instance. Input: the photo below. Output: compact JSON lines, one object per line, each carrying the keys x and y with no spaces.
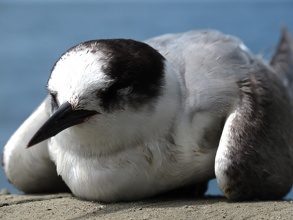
{"x":65,"y":206}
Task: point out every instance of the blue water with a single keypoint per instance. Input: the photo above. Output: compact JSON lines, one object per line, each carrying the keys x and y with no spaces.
{"x":33,"y":36}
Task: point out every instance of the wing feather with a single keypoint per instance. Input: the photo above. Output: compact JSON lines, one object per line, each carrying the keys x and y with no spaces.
{"x":254,"y":159}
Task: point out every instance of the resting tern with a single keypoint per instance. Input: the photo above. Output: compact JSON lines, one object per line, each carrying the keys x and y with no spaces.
{"x":126,"y":120}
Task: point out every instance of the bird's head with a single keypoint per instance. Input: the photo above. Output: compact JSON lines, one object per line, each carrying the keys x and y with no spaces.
{"x":112,"y":87}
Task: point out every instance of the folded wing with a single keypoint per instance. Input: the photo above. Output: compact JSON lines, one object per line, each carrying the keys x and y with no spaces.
{"x":31,"y":169}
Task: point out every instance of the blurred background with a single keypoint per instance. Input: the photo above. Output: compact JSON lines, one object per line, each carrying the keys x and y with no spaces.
{"x":33,"y":35}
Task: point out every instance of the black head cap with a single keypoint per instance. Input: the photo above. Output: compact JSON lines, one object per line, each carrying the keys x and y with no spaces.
{"x":132,"y":65}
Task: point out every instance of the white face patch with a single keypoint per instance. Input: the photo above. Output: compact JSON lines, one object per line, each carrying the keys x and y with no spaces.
{"x":77,"y":76}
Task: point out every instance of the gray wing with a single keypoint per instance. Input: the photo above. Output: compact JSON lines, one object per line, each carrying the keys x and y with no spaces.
{"x":282,"y":61}
{"x":255,"y":155}
{"x":254,"y":159}
{"x":31,"y":169}
{"x":209,"y":63}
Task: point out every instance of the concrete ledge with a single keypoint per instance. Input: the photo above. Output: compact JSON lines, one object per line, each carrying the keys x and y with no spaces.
{"x":65,"y":206}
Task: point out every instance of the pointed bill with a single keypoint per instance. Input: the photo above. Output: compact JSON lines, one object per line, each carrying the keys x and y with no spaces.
{"x":63,"y":118}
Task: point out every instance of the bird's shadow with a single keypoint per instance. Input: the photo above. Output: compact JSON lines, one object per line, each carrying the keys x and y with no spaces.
{"x":166,"y":200}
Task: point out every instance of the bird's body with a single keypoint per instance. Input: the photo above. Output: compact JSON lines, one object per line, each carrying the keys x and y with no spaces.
{"x":127,"y":122}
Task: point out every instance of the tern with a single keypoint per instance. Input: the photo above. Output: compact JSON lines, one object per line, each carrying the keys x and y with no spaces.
{"x":126,"y":120}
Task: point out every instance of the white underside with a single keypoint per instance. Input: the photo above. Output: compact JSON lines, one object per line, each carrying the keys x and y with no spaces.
{"x":137,"y":172}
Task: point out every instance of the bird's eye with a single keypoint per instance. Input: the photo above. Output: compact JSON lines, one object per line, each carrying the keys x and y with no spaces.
{"x":54,"y":101}
{"x":125,"y":91}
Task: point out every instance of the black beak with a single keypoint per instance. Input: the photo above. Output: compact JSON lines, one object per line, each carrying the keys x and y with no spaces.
{"x":63,"y":118}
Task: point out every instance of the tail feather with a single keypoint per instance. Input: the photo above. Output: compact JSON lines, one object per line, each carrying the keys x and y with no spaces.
{"x":282,"y":60}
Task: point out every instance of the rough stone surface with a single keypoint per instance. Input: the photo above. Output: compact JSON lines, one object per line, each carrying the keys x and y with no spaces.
{"x":65,"y":206}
